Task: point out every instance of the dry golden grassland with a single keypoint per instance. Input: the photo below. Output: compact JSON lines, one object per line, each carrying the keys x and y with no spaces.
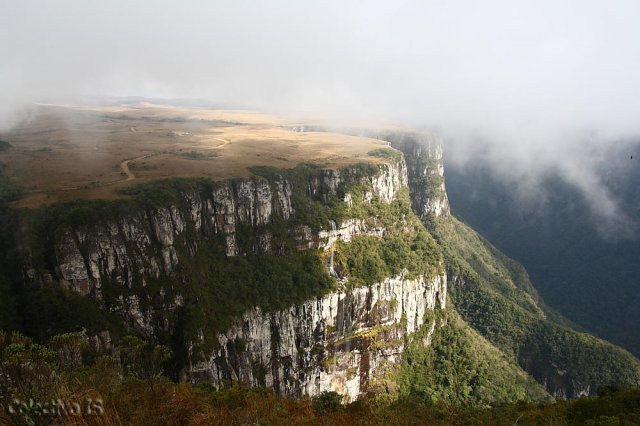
{"x":59,"y":152}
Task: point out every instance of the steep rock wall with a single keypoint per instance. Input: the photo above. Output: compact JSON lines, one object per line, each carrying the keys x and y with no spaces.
{"x":556,"y":381}
{"x":142,"y":245}
{"x":424,"y":157}
{"x":339,"y":342}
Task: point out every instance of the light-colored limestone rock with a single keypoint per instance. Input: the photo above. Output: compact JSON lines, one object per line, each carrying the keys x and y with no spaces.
{"x":333,"y":343}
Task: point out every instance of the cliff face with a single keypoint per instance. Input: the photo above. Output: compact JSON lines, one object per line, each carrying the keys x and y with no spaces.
{"x":493,"y":294}
{"x":424,"y":157}
{"x":174,"y":265}
{"x":556,"y":381}
{"x":339,"y":342}
{"x":143,"y":245}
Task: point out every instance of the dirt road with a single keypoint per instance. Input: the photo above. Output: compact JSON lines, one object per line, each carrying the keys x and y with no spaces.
{"x":125,"y":167}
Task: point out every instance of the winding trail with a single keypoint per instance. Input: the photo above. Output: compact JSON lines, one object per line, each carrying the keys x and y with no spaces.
{"x":225,"y":142}
{"x":125,"y":167}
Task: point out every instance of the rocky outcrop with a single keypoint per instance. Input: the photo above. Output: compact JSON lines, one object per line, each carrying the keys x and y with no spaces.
{"x":340,"y":342}
{"x":335,"y":343}
{"x":131,"y":249}
{"x":346,"y":232}
{"x":385,"y":184}
{"x":556,"y":381}
{"x":424,"y":157}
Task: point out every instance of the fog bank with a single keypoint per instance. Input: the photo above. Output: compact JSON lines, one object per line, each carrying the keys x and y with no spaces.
{"x":525,"y":84}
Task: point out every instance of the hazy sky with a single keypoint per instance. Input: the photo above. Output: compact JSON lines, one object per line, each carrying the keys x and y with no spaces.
{"x":529,"y":81}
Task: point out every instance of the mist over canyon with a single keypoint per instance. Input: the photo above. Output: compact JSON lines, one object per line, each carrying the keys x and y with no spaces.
{"x":334,"y":213}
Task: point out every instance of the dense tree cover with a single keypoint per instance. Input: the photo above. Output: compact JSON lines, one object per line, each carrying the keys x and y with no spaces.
{"x":123,"y":387}
{"x":50,"y":310}
{"x":369,"y":259}
{"x":583,"y":265}
{"x":496,"y":299}
{"x":491,"y":293}
{"x":460,"y":367}
{"x":388,"y":153}
{"x":208,"y":289}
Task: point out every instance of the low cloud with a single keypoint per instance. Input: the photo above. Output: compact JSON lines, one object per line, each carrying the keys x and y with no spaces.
{"x":524,"y":84}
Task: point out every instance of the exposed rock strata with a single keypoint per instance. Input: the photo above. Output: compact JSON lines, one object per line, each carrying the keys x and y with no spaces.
{"x":424,"y":157}
{"x":144,"y":245}
{"x":337,"y":342}
{"x":334,"y":343}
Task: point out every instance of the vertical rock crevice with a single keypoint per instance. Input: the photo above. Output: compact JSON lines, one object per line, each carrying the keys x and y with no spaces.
{"x":334,"y":343}
{"x":423,"y":154}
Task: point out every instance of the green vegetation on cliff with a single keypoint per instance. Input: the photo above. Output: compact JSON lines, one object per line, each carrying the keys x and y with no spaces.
{"x":186,"y":308}
{"x":127,"y":390}
{"x":493,"y":294}
{"x":207,"y":289}
{"x":584,"y":265}
{"x":455,"y":365}
{"x":404,"y":247}
{"x":388,"y":153}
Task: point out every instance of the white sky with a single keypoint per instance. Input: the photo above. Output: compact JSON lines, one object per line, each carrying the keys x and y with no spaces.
{"x":520,"y":80}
